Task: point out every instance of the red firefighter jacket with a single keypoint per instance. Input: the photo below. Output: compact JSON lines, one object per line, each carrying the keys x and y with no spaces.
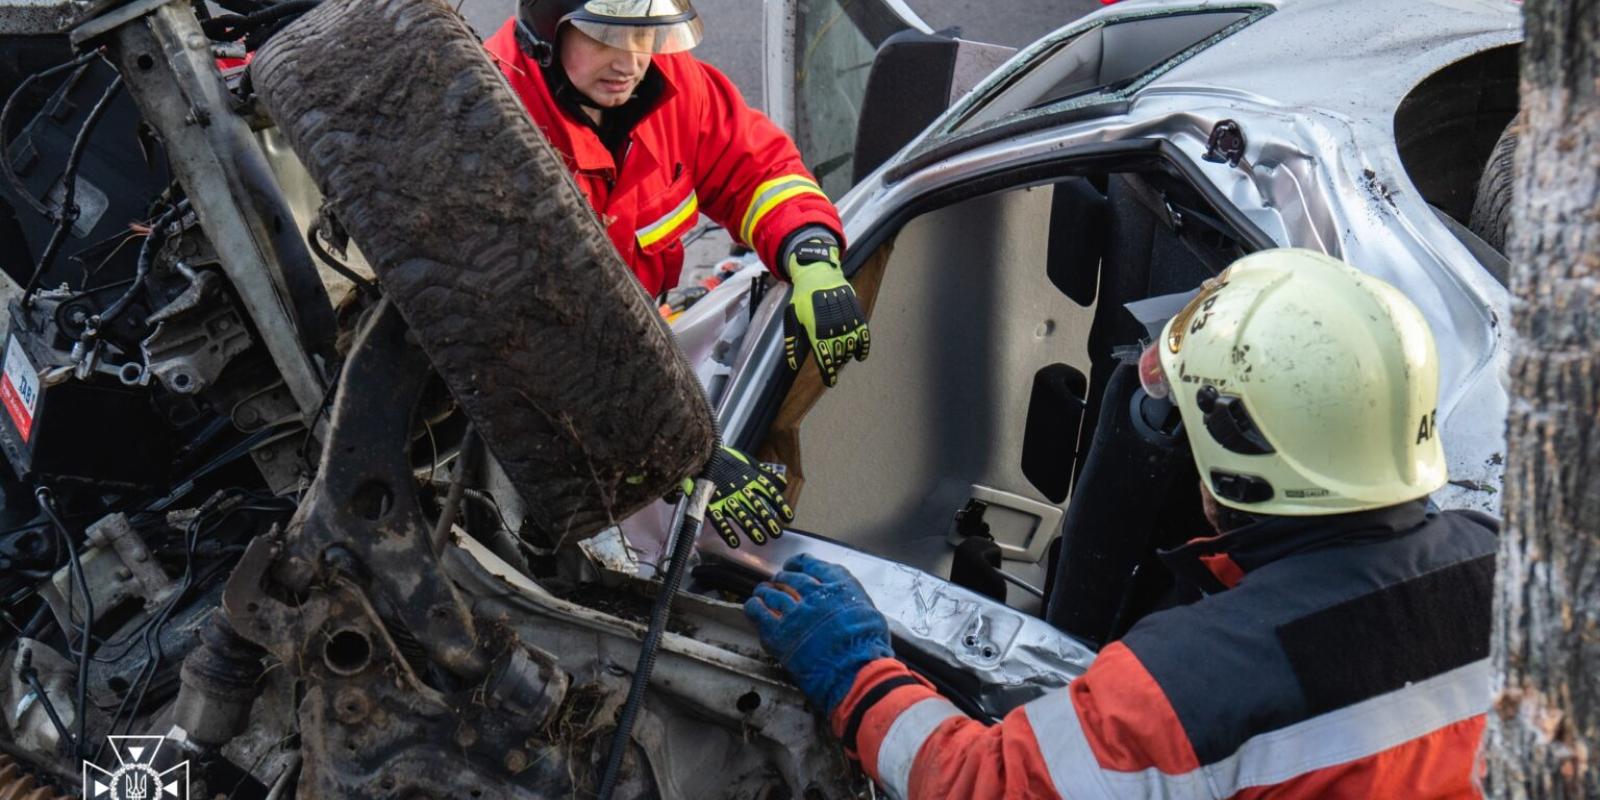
{"x":1347,"y":660}
{"x":699,"y":150}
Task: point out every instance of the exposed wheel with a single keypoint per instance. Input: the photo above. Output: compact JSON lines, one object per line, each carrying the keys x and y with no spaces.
{"x":481,"y":238}
{"x":1491,"y":207}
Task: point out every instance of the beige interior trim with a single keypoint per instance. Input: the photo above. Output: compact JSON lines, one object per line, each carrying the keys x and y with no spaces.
{"x":782,"y":443}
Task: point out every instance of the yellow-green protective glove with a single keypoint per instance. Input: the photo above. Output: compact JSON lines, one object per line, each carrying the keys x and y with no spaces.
{"x":746,"y":497}
{"x":824,"y":315}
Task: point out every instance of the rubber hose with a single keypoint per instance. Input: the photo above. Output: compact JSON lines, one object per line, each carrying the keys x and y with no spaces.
{"x":682,"y":547}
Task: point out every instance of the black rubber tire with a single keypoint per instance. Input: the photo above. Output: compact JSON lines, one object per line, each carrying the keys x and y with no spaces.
{"x":480,"y":237}
{"x":1491,"y":206}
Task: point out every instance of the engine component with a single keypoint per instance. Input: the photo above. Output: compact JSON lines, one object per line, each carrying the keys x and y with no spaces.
{"x":118,"y":567}
{"x":115,"y":532}
{"x":219,"y":684}
{"x":195,"y":336}
{"x":526,"y":682}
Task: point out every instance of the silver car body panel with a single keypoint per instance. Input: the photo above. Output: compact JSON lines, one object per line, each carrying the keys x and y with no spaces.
{"x":1321,"y":171}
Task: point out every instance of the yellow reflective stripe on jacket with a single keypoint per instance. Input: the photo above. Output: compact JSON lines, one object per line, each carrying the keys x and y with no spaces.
{"x":658,"y":230}
{"x":767,"y":197}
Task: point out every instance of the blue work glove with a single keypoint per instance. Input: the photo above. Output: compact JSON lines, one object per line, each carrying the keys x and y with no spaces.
{"x":819,"y":623}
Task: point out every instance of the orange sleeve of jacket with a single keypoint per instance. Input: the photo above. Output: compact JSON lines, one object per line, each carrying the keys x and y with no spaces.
{"x":750,"y":178}
{"x":1112,"y":719}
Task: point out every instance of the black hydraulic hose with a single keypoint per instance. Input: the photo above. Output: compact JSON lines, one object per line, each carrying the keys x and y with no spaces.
{"x":5,"y":125}
{"x":46,"y":501}
{"x":40,"y":619}
{"x":242,"y":6}
{"x":147,"y":254}
{"x":230,"y":26}
{"x":69,"y":186}
{"x":682,"y":547}
{"x":366,"y":287}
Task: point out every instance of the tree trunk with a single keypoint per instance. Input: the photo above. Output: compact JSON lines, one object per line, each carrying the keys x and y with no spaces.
{"x":1543,"y":738}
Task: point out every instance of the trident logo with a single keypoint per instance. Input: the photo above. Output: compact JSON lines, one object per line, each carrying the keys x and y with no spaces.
{"x":136,"y":776}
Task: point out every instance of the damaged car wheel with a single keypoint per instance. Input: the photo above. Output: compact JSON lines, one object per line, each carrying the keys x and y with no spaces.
{"x":482,"y":240}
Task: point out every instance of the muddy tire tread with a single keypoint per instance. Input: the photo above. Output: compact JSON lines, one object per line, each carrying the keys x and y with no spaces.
{"x":499,"y":266}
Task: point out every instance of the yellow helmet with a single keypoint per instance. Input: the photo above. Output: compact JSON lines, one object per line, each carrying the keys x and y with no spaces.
{"x":1306,"y":386}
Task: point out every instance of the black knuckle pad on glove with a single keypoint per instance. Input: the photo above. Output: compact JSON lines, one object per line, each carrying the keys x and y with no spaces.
{"x":769,"y":518}
{"x":726,"y":531}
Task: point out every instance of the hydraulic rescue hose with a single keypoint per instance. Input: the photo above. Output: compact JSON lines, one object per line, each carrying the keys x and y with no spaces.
{"x":682,"y":547}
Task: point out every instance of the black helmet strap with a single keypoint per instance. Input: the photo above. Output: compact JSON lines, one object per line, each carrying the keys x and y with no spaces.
{"x":532,"y":46}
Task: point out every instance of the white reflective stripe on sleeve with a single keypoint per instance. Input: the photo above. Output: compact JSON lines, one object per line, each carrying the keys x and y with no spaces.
{"x":1078,"y":775}
{"x":1347,"y":734}
{"x":1356,"y":731}
{"x":906,"y":736}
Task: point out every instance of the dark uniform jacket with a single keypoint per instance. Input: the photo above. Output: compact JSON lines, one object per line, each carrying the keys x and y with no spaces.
{"x":1333,"y":657}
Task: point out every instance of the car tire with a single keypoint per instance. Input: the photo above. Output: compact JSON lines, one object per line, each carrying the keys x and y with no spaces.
{"x":1491,"y":206}
{"x":499,"y":266}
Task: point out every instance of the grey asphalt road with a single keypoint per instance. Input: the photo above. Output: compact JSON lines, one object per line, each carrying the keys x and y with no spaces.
{"x":733,"y":27}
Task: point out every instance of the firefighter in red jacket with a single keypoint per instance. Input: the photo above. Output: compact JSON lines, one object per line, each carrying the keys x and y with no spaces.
{"x":1340,"y":648}
{"x":654,"y":138}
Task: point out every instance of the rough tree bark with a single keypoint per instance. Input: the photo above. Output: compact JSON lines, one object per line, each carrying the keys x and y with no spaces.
{"x":1543,"y":737}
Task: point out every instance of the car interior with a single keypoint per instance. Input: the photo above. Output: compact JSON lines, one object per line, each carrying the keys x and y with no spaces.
{"x":1000,"y":427}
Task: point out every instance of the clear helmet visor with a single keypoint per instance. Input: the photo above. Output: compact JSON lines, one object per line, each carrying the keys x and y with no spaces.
{"x":640,"y":26}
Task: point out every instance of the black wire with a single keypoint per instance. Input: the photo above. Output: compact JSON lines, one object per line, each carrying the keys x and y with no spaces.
{"x":46,"y":501}
{"x":230,"y":27}
{"x":147,"y":254}
{"x":322,"y":411}
{"x":242,"y":6}
{"x":5,"y":119}
{"x":154,"y":652}
{"x":128,"y":640}
{"x":69,"y":182}
{"x":31,"y":677}
{"x":30,"y":630}
{"x":366,"y":287}
{"x":105,"y":287}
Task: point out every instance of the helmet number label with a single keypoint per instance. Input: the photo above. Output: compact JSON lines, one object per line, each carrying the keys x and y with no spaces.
{"x":1428,"y":427}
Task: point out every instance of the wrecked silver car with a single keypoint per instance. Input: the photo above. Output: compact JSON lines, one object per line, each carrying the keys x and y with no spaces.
{"x":404,"y":538}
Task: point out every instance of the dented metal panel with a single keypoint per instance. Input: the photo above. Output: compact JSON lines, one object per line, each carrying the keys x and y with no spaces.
{"x":1321,"y":169}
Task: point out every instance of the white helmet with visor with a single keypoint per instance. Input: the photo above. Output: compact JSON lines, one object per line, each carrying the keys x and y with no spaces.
{"x":639,"y":26}
{"x":1307,"y":387}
